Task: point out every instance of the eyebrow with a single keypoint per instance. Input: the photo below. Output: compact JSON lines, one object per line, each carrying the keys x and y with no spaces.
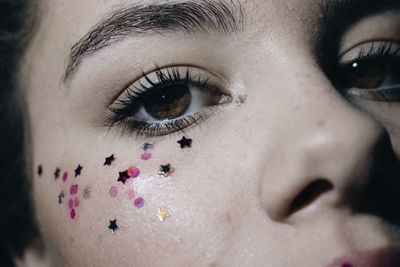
{"x":336,"y":17}
{"x":188,"y":17}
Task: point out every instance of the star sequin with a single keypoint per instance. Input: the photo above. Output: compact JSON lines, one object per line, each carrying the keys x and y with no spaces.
{"x":185,"y":142}
{"x":61,"y":197}
{"x":40,"y":170}
{"x":57,"y":173}
{"x":123,"y":176}
{"x":109,"y":160}
{"x":165,"y":170}
{"x":148,"y":146}
{"x":78,"y":170}
{"x":113,"y":226}
{"x":162,"y":214}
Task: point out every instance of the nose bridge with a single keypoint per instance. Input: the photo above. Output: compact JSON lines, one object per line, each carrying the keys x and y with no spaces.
{"x":322,"y":148}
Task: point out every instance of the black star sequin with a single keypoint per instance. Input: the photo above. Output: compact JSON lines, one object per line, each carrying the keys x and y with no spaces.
{"x":40,"y":170}
{"x":113,"y":226}
{"x":185,"y":142}
{"x":78,"y":170}
{"x":61,"y":198}
{"x":57,"y":173}
{"x":109,"y":160}
{"x":165,"y":170}
{"x":123,"y":176}
{"x":148,"y":146}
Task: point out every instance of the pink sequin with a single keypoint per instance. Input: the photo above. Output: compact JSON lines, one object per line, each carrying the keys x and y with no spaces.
{"x":133,"y":172}
{"x":73,"y":189}
{"x":71,"y":203}
{"x":139,"y":202}
{"x":131,"y":194}
{"x":77,"y":202}
{"x":146,"y":156}
{"x":65,"y":176}
{"x":73,"y":214}
{"x":113,"y":191}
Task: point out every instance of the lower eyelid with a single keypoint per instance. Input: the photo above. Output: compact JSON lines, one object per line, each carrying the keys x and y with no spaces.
{"x":389,"y":94}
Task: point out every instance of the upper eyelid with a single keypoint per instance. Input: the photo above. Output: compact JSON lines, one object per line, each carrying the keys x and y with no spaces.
{"x":389,"y":46}
{"x":138,"y":78}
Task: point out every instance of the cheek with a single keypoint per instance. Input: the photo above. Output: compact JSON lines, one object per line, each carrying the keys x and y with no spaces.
{"x":129,"y":205}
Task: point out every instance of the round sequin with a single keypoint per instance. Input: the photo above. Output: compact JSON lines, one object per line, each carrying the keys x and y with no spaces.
{"x":65,"y":176}
{"x":133,"y":172}
{"x":73,"y":214}
{"x":139,"y":202}
{"x":113,"y":191}
{"x":73,"y":189}
{"x":131,"y":194}
{"x":146,"y":156}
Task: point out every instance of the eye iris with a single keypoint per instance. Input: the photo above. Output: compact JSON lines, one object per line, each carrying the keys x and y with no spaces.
{"x":168,"y":102}
{"x":366,"y":74}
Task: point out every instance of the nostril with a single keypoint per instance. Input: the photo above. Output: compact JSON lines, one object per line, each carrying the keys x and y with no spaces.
{"x":309,"y":194}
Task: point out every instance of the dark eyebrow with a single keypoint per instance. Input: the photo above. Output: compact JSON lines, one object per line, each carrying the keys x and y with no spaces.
{"x":336,"y":17}
{"x":188,"y":17}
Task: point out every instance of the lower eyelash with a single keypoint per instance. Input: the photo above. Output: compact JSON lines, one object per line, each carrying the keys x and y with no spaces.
{"x":153,"y":129}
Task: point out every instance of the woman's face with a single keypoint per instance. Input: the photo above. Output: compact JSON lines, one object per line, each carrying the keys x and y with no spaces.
{"x":284,"y":112}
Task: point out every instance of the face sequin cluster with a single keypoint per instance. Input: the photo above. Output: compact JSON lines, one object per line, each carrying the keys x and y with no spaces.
{"x":70,"y":195}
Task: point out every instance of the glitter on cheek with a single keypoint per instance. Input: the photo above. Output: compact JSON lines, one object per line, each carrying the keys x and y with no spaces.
{"x":73,"y":213}
{"x":74,"y":189}
{"x":133,"y":172}
{"x":139,"y":202}
{"x":86,"y":192}
{"x":146,"y":156}
{"x":113,"y":192}
{"x":65,"y":176}
{"x":76,"y":202}
{"x":71,"y":203}
{"x":131,"y":194}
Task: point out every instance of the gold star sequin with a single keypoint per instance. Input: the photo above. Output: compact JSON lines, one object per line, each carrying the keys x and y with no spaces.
{"x":162,"y":214}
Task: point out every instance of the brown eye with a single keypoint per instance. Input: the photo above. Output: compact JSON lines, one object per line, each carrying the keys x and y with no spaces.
{"x":168,"y":102}
{"x":366,"y":74}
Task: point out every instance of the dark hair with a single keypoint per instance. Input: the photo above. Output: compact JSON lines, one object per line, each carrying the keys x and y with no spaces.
{"x":17,"y":224}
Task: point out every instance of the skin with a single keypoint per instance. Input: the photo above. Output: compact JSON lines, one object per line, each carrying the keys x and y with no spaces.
{"x":229,"y":204}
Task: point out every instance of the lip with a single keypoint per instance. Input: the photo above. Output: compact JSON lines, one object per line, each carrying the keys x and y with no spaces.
{"x":383,"y":257}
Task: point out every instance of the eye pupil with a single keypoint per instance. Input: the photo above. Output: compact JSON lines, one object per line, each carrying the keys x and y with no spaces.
{"x":168,"y":102}
{"x":366,"y":74}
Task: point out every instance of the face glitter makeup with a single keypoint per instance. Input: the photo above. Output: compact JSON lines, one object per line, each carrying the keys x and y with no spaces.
{"x":146,"y":156}
{"x":65,"y":176}
{"x":78,"y":170}
{"x":131,"y":194}
{"x":73,"y":214}
{"x":113,"y":191}
{"x":57,"y":173}
{"x":162,"y":213}
{"x":185,"y":142}
{"x":40,"y":170}
{"x":109,"y":160}
{"x":70,"y":203}
{"x":133,"y":172}
{"x":77,"y":202}
{"x":139,"y":202}
{"x":123,"y":176}
{"x":113,"y":226}
{"x":148,"y":146}
{"x":73,"y":190}
{"x":86,"y":192}
{"x":165,"y":170}
{"x":61,"y":197}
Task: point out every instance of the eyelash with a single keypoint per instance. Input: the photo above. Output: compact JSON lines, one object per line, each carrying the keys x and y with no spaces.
{"x":135,"y":94}
{"x":383,"y":52}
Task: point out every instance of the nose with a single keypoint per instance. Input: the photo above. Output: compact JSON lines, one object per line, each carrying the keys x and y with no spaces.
{"x":321,"y":157}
